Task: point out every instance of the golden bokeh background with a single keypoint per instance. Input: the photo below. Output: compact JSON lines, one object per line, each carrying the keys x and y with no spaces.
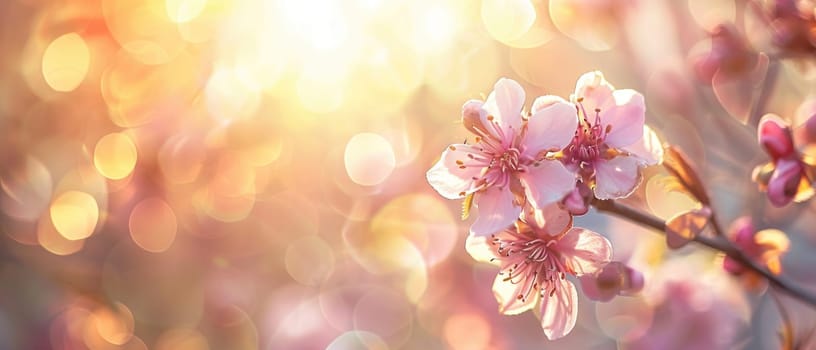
{"x":243,"y":174}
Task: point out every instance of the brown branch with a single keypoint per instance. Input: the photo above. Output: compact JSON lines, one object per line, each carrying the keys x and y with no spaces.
{"x":717,"y":243}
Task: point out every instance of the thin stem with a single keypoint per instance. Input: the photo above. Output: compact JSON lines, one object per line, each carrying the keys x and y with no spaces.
{"x":716,"y":243}
{"x":764,"y":93}
{"x":715,"y":224}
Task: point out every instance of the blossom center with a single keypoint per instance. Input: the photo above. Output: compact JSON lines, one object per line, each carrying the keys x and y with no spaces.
{"x":531,"y":262}
{"x":507,"y":161}
{"x":588,"y":144}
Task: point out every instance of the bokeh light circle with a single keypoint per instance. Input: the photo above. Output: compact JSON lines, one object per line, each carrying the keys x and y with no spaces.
{"x":74,"y":214}
{"x":507,"y":20}
{"x":369,"y":159}
{"x":115,"y":156}
{"x":65,"y":62}
{"x":153,"y":225}
{"x":309,"y":260}
{"x":358,"y":340}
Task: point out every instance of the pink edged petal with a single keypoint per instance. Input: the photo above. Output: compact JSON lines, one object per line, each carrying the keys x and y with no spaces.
{"x":559,"y":311}
{"x":545,"y":101}
{"x":546,"y":182}
{"x":551,"y":128}
{"x":449,"y":178}
{"x":481,"y":249}
{"x":594,"y":91}
{"x":784,"y":182}
{"x":775,"y":136}
{"x":584,"y":251}
{"x":474,"y":118}
{"x":497,"y":211}
{"x":625,"y":118}
{"x":504,"y":104}
{"x":507,"y":293}
{"x":551,"y":220}
{"x":617,"y":177}
{"x":648,"y":150}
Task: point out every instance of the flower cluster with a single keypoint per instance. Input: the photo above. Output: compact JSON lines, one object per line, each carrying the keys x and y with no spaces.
{"x":597,"y":139}
{"x":792,"y":24}
{"x":528,"y":173}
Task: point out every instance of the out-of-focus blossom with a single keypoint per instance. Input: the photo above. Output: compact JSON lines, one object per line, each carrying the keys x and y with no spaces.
{"x":730,"y":56}
{"x":690,"y":317}
{"x":507,"y":165}
{"x":766,"y":247}
{"x":787,"y":177}
{"x":805,"y":116}
{"x":535,"y":257}
{"x":611,"y":142}
{"x":793,"y":26}
{"x":614,"y":279}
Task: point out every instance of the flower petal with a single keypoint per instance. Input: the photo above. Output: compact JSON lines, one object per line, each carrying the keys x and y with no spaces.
{"x":775,"y":136}
{"x":497,"y":211}
{"x":449,"y":178}
{"x":507,"y":293}
{"x":584,"y":251}
{"x":594,"y":91}
{"x":481,"y":250}
{"x":648,"y":150}
{"x":545,"y":101}
{"x":546,"y":182}
{"x":617,"y":177}
{"x":559,"y":311}
{"x":625,"y":118}
{"x":551,"y":128}
{"x":504,"y":104}
{"x":784,"y":183}
{"x":551,"y":220}
{"x":474,"y":118}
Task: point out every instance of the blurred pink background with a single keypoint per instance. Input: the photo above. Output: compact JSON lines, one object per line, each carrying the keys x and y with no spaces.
{"x":238,"y":174}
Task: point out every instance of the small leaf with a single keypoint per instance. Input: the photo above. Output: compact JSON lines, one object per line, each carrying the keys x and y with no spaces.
{"x":680,"y":167}
{"x":466,"y":205}
{"x":682,"y":228}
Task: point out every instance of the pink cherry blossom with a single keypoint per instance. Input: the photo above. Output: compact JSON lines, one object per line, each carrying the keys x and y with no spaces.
{"x":611,"y":142}
{"x":787,"y":177}
{"x":508,"y":163}
{"x":535,"y":257}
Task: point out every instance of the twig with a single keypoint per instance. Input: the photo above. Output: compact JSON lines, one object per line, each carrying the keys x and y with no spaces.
{"x":717,"y":243}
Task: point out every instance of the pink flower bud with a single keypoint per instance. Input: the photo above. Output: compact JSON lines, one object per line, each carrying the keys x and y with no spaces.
{"x":775,"y":136}
{"x":577,"y":201}
{"x":784,"y":183}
